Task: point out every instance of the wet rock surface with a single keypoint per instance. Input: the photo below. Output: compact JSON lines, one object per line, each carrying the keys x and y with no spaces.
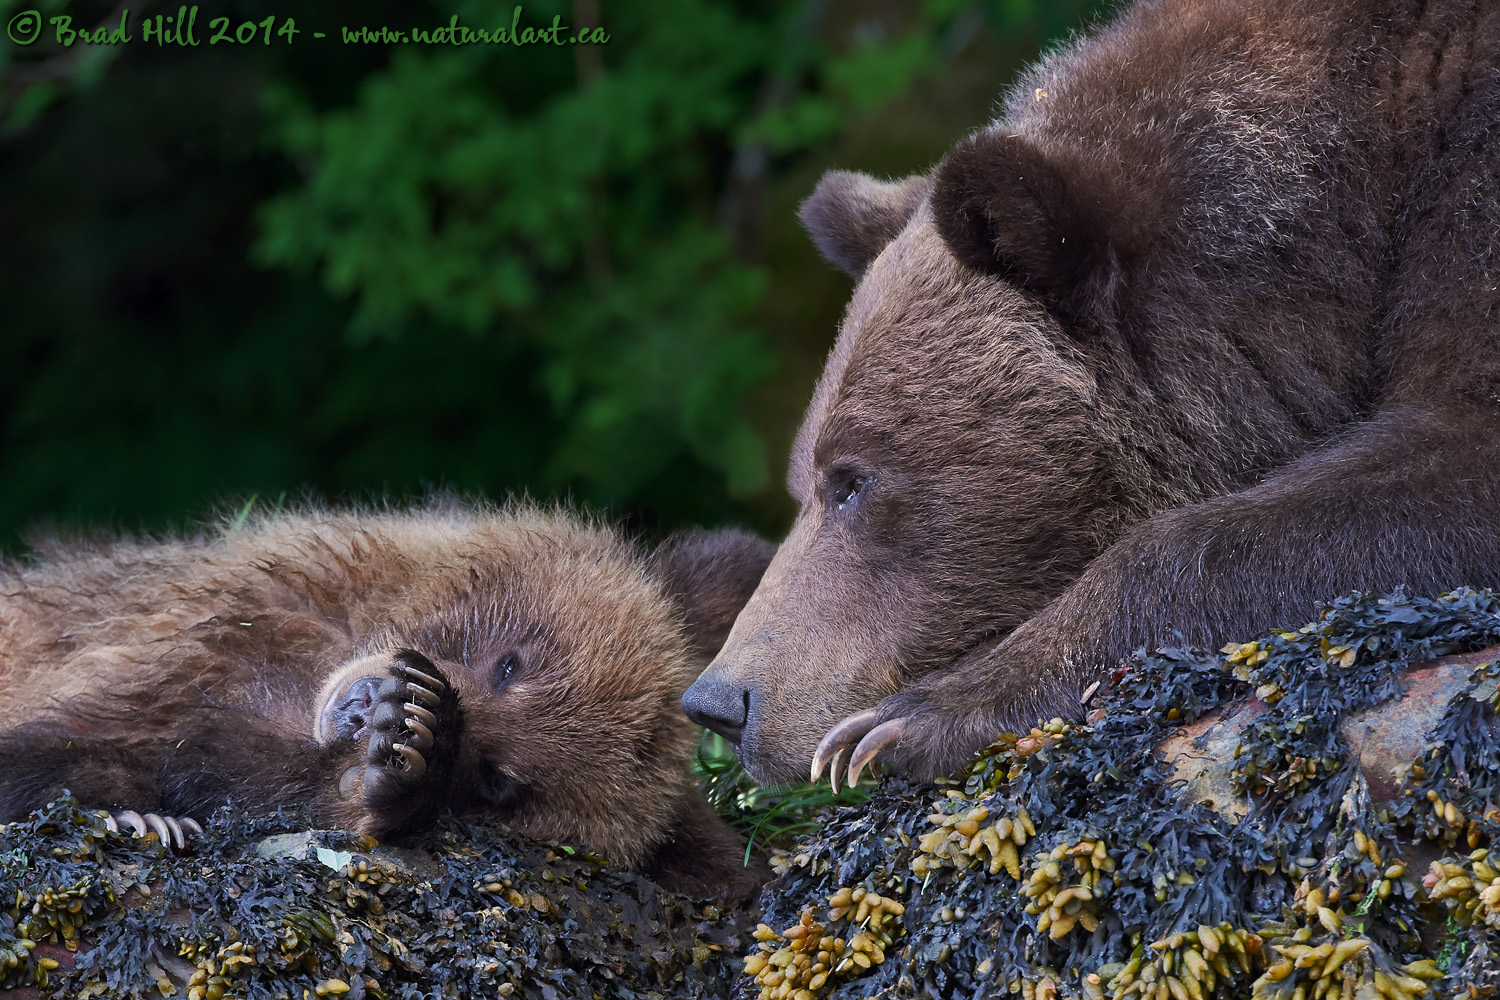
{"x":266,"y":908}
{"x":1305,"y":815}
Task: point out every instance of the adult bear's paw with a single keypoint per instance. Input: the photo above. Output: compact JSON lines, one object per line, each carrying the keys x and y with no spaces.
{"x":916,"y":742}
{"x":930,"y":729}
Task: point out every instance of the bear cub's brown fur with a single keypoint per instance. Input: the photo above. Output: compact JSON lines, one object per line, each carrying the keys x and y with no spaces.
{"x":375,"y":667}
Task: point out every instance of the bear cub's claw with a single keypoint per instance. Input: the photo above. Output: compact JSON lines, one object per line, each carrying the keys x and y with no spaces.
{"x":168,"y":829}
{"x":408,"y":719}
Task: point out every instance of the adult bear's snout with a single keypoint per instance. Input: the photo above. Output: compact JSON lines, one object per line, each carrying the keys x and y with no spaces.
{"x":718,"y":706}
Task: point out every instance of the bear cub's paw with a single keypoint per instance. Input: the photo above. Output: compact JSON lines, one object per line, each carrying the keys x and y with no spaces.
{"x":411,"y":732}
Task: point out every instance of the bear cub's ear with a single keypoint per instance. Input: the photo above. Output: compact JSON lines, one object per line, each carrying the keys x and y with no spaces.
{"x":853,"y":216}
{"x":710,"y":575}
{"x":1051,"y":223}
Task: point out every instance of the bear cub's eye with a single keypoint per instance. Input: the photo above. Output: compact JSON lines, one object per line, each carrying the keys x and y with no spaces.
{"x":506,"y":666}
{"x":846,"y":488}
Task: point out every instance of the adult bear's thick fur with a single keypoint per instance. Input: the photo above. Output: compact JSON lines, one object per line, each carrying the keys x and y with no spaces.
{"x":1204,"y":328}
{"x":375,"y":667}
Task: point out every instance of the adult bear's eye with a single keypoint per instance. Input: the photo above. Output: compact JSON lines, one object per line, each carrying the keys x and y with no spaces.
{"x":846,"y":489}
{"x":505,"y":667}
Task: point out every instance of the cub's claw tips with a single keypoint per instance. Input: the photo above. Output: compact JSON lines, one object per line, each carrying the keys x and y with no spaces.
{"x":176,"y":829}
{"x":874,"y":741}
{"x":428,"y":719}
{"x":400,"y":732}
{"x":412,"y":673}
{"x":423,"y":695}
{"x":168,"y":829}
{"x":416,"y":766}
{"x":133,"y":818}
{"x":423,"y":739}
{"x":159,"y":827}
{"x":844,"y":733}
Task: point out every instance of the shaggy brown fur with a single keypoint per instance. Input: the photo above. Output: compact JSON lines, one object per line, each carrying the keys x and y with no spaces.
{"x":1202,"y":329}
{"x":529,"y":664}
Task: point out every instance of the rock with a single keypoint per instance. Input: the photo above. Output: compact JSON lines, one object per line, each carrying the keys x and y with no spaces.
{"x":1388,"y":737}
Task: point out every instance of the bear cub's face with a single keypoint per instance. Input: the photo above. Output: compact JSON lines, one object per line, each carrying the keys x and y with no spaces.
{"x":557,"y":715}
{"x":544,"y":692}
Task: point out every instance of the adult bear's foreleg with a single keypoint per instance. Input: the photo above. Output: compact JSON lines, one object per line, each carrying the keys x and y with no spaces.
{"x":1411,"y":499}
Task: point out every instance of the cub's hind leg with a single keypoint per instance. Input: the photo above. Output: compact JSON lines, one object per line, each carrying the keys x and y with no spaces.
{"x":38,"y":761}
{"x":382,"y":756}
{"x":154,"y":786}
{"x":36,"y":767}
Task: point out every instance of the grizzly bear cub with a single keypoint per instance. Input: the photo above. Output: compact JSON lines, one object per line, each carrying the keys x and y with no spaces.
{"x":375,"y":667}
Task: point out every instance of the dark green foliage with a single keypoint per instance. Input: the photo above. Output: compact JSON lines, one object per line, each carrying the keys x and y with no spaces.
{"x":1311,"y":841}
{"x":371,"y":269}
{"x":455,"y":914}
{"x":764,"y":816}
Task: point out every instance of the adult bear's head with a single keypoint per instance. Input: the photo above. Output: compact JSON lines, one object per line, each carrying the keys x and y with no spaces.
{"x":1148,"y":282}
{"x":959,"y":464}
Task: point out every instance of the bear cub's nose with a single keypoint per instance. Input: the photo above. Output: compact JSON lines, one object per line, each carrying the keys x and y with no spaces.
{"x":722,"y":708}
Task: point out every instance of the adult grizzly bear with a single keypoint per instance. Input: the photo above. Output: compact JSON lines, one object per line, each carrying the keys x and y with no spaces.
{"x":376,"y":667}
{"x":1202,"y":329}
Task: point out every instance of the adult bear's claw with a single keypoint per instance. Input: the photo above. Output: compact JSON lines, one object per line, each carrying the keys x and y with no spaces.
{"x":841,"y":737}
{"x":857,"y":740}
{"x":875,"y":740}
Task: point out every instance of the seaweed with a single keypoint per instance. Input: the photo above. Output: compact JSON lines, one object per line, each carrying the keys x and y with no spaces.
{"x":261,"y":907}
{"x":1067,"y":861}
{"x":1070,"y":862}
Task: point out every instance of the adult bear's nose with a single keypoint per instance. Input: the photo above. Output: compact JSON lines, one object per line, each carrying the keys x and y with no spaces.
{"x":720,"y":707}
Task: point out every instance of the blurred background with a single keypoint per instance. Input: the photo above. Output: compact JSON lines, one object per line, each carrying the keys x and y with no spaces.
{"x":361,"y":270}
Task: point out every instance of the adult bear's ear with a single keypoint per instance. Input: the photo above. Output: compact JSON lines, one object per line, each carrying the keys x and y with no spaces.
{"x":853,"y":216}
{"x":710,"y":575}
{"x":1051,"y":223}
